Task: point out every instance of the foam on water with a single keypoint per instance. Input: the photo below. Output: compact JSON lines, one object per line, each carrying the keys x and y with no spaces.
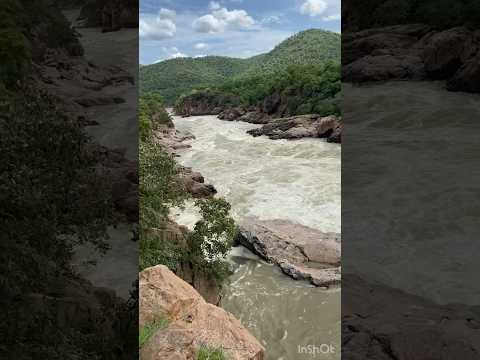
{"x":293,"y":180}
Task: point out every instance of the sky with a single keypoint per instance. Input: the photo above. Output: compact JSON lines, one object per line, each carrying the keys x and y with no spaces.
{"x":235,"y":28}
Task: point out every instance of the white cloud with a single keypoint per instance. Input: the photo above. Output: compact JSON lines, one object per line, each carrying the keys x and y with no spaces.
{"x":173,"y":52}
{"x":214,"y":5}
{"x":200,"y":46}
{"x":313,"y":7}
{"x":208,"y":24}
{"x":199,"y":56}
{"x":332,"y":17}
{"x":158,"y":28}
{"x":222,"y":19}
{"x":272,"y":19}
{"x":167,"y":14}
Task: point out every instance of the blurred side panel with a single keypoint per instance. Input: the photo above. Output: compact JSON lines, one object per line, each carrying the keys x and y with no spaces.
{"x":68,"y":179}
{"x":410,"y":179}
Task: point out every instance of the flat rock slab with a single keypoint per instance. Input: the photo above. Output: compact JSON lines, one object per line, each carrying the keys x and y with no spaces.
{"x":300,"y":251}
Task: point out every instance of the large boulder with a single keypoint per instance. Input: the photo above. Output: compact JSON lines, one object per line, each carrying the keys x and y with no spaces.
{"x":384,"y":67}
{"x":467,"y":78}
{"x":379,"y":322}
{"x":254,"y":117}
{"x":270,"y":103}
{"x":231,"y":114}
{"x":197,"y":188}
{"x":444,"y":53}
{"x":192,"y":322}
{"x":300,"y":251}
{"x":398,"y":39}
{"x":300,"y":126}
{"x":413,"y":52}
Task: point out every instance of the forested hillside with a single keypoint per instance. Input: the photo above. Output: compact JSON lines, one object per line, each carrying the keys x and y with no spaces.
{"x":441,"y":14}
{"x":305,"y":48}
{"x":172,"y":78}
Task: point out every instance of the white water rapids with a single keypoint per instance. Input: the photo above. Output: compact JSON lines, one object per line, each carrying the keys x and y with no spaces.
{"x":294,"y":180}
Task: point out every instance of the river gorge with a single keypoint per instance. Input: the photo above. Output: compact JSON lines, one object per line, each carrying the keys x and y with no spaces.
{"x":288,"y":180}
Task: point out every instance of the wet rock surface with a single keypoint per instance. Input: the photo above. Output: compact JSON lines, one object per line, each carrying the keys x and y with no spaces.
{"x":413,"y":52}
{"x":417,"y":328}
{"x":301,"y":252}
{"x":192,"y":322}
{"x":173,"y":140}
{"x":302,"y":126}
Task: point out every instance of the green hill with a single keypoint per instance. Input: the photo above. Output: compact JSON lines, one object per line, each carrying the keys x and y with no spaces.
{"x":309,"y":47}
{"x":172,"y":78}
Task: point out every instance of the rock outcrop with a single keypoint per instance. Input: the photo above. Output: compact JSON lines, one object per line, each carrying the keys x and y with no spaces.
{"x":192,"y":322}
{"x":195,"y":184}
{"x":301,"y":252}
{"x":413,"y":52}
{"x":204,"y":103}
{"x":173,"y":140}
{"x":302,"y":126}
{"x":110,"y":15}
{"x":379,"y":322}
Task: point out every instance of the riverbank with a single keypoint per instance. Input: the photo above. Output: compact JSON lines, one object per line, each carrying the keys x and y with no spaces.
{"x":276,"y":122}
{"x":98,"y":90}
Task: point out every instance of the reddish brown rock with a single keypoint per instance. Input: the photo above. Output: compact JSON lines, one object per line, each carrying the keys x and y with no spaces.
{"x":192,"y":321}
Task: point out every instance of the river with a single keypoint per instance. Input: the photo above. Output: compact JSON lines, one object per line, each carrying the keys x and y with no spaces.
{"x":293,"y":180}
{"x":408,"y":143}
{"x":116,"y":128}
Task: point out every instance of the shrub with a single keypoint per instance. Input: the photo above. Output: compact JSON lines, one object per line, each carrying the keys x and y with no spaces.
{"x":146,"y":331}
{"x":209,"y":353}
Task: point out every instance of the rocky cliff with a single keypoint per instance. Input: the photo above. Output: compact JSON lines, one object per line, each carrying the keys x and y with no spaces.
{"x":273,"y":113}
{"x":413,"y":52}
{"x":192,"y":322}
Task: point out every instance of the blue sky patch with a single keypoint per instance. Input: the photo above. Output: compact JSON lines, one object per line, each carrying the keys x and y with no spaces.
{"x":236,"y":28}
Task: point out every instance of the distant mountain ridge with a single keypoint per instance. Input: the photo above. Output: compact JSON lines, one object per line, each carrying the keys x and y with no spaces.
{"x":174,"y":77}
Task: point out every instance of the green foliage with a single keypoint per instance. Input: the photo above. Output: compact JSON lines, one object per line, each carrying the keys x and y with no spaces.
{"x":172,"y":78}
{"x":161,"y":188}
{"x":160,"y":185}
{"x":146,"y":331}
{"x":213,"y":234}
{"x":15,"y":55}
{"x":26,"y":28}
{"x":51,"y":197}
{"x":310,"y":47}
{"x":441,"y":14}
{"x":209,"y":353}
{"x":152,"y":114}
{"x":211,"y":239}
{"x":303,"y":88}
